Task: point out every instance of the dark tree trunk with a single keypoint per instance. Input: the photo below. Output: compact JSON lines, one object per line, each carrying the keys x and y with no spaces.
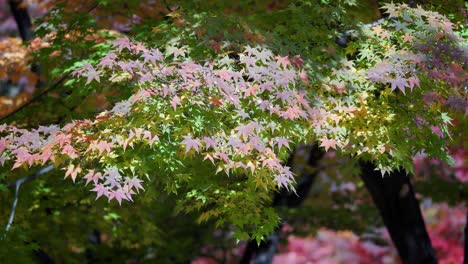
{"x":23,"y":21}
{"x":265,"y":252}
{"x":395,"y":199}
{"x":466,"y":240}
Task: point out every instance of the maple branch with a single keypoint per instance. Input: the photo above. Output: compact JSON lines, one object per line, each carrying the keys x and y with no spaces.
{"x":35,"y":98}
{"x":17,"y":185}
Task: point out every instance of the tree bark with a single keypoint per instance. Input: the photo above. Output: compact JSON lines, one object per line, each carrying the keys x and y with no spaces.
{"x":466,"y":239}
{"x":23,"y":21}
{"x":396,"y":201}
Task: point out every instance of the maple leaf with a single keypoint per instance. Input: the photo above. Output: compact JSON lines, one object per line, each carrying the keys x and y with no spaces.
{"x":104,"y":146}
{"x":209,"y":157}
{"x":126,"y":66}
{"x":215,"y":101}
{"x":284,"y":61}
{"x":175,"y":101}
{"x":72,"y":171}
{"x":3,"y":144}
{"x":100,"y":189}
{"x":151,"y":139}
{"x":224,"y":74}
{"x":252,"y":90}
{"x":282,"y":142}
{"x":92,"y":176}
{"x":91,"y":74}
{"x":69,"y":151}
{"x":175,"y":51}
{"x":264,"y":55}
{"x":282,"y":181}
{"x":328,"y":143}
{"x":106,"y":62}
{"x":134,"y":183}
{"x":377,"y":30}
{"x":139,"y":48}
{"x":413,"y":81}
{"x":209,"y":143}
{"x":392,"y":10}
{"x":153,"y":55}
{"x":408,"y":38}
{"x":190,"y":143}
{"x":100,"y":146}
{"x":146,"y":76}
{"x":112,"y":177}
{"x":399,"y":83}
{"x":118,"y":195}
{"x":122,"y":43}
{"x":250,"y":50}
{"x":297,"y":60}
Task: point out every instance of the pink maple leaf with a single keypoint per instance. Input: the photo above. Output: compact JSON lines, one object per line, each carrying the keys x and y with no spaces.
{"x":151,"y":139}
{"x":106,"y":62}
{"x":297,"y":60}
{"x":134,"y":183}
{"x":112,"y":177}
{"x":118,"y":195}
{"x":152,"y":55}
{"x":139,"y":48}
{"x":264,"y":55}
{"x":104,"y":146}
{"x":284,"y":61}
{"x":92,"y":176}
{"x":209,"y":142}
{"x":146,"y":76}
{"x":175,"y":101}
{"x":190,"y":143}
{"x":399,"y":83}
{"x":100,"y":189}
{"x":69,"y":151}
{"x":413,"y":81}
{"x":224,"y":74}
{"x":72,"y":171}
{"x":328,"y":143}
{"x":91,"y":74}
{"x":282,"y":142}
{"x":252,"y":90}
{"x":122,"y":43}
{"x":3,"y":144}
{"x":126,"y":66}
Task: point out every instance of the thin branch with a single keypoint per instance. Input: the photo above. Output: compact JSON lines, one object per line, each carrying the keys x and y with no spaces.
{"x":17,"y":185}
{"x":35,"y":98}
{"x":32,"y":176}
{"x":13,"y":208}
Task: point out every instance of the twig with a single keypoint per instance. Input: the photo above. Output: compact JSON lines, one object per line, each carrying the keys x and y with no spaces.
{"x":17,"y":185}
{"x":38,"y":96}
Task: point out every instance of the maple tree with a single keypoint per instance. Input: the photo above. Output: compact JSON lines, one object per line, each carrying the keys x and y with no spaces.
{"x":205,"y":106}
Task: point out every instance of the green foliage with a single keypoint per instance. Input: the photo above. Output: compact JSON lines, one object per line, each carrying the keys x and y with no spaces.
{"x":368,"y":101}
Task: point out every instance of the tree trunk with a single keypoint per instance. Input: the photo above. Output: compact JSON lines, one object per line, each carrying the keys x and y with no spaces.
{"x":23,"y":21}
{"x":466,"y":239}
{"x":395,"y":199}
